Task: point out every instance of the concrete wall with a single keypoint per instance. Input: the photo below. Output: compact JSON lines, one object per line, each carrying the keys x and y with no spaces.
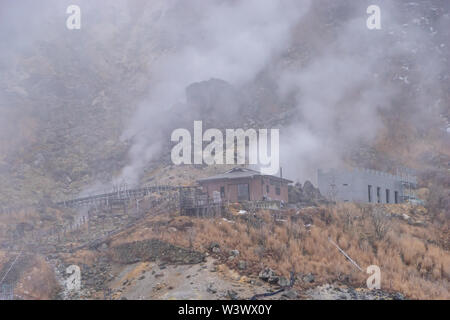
{"x":352,"y":185}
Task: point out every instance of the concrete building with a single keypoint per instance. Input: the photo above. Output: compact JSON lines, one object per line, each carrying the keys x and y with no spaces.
{"x":366,"y":186}
{"x":241,"y":184}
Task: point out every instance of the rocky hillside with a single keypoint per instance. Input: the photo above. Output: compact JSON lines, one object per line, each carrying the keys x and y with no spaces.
{"x":67,"y":102}
{"x":244,"y":255}
{"x":82,"y":110}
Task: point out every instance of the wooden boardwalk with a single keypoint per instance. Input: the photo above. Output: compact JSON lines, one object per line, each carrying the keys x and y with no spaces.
{"x":117,"y":197}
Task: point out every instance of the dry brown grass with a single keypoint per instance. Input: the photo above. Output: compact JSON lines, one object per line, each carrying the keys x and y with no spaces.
{"x":32,"y":218}
{"x":38,"y":282}
{"x":36,"y":279}
{"x":87,"y":257}
{"x":410,"y":257}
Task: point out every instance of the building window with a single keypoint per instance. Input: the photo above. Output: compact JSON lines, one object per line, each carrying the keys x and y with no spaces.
{"x":222,"y":192}
{"x":378,"y":194}
{"x":369,"y":191}
{"x":396,"y":196}
{"x":243,"y":192}
{"x":278,"y":191}
{"x":267,"y":188}
{"x":387,"y":196}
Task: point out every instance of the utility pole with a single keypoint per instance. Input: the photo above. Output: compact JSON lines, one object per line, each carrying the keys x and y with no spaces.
{"x":332,"y":190}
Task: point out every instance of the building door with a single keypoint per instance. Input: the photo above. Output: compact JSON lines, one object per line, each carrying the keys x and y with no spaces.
{"x":243,"y":192}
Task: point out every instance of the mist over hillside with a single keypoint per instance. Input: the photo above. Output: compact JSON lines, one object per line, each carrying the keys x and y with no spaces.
{"x":91,"y":106}
{"x":87,"y":176}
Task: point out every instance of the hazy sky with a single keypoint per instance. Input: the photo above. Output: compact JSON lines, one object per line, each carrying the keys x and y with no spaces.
{"x":337,"y":75}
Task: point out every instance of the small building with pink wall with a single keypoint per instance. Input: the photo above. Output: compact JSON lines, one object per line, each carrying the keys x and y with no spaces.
{"x":242,"y":184}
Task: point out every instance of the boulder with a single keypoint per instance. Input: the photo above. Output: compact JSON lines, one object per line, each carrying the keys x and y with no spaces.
{"x":269,"y":275}
{"x":242,"y":265}
{"x":398,"y":296}
{"x":306,"y":195}
{"x":232,"y":294}
{"x":290,"y":294}
{"x":213,"y":245}
{"x":310,"y":192}
{"x":211,"y":288}
{"x":308,"y":278}
{"x":234,"y":253}
{"x":283,"y":282}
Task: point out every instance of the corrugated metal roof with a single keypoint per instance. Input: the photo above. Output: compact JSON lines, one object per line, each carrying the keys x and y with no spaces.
{"x":236,"y":173}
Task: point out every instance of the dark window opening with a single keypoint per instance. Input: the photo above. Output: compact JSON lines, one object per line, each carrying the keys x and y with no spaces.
{"x":278,"y":191}
{"x":369,"y":190}
{"x":387,"y":196}
{"x":243,"y":192}
{"x":222,"y":192}
{"x":267,"y":189}
{"x":378,"y":194}
{"x":396,"y":196}
{"x":345,"y":184}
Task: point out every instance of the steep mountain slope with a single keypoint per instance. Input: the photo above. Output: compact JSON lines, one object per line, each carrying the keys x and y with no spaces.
{"x":78,"y":108}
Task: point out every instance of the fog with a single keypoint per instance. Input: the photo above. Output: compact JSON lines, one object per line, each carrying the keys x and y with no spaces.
{"x":228,"y":40}
{"x":336,"y":77}
{"x":339,"y":94}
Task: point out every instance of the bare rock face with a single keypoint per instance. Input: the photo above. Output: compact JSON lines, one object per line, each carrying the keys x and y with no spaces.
{"x":310,"y":191}
{"x":154,"y":249}
{"x":332,"y":292}
{"x":295,"y":193}
{"x":306,"y":194}
{"x":216,"y":98}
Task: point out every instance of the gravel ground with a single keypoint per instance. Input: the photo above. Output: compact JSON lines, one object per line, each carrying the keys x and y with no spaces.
{"x":147,"y":280}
